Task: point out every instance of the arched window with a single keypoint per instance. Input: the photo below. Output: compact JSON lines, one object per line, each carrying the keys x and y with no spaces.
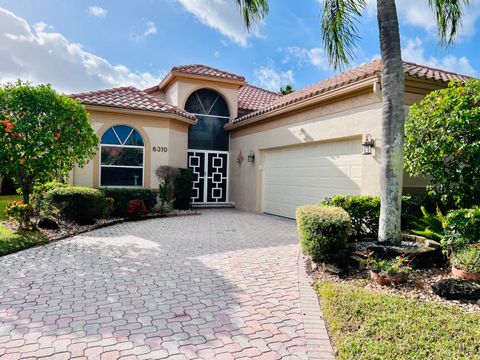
{"x":122,"y":157}
{"x":212,"y":114}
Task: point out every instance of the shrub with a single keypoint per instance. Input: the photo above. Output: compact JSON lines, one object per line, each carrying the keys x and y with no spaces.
{"x":82,"y":205}
{"x":462,"y":228}
{"x":166,"y":188}
{"x":389,"y":267}
{"x":364,"y":213}
{"x":468,"y":259}
{"x":323,"y":231}
{"x":442,"y":134}
{"x":136,"y":209}
{"x":183,"y":189}
{"x":20,"y":212}
{"x":122,"y":199}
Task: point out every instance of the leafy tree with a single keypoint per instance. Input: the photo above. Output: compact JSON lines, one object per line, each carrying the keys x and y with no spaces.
{"x":340,"y":37}
{"x":42,"y":135}
{"x":443,"y":142}
{"x":288,"y":89}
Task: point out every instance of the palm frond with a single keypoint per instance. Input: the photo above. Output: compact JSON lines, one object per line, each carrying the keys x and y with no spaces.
{"x":253,"y":11}
{"x":339,"y":29}
{"x":448,"y":14}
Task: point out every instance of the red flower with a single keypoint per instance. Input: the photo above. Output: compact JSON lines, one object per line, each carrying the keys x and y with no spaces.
{"x":21,"y":161}
{"x":57,"y":136}
{"x":8,"y":126}
{"x":16,"y":135}
{"x":475,"y":244}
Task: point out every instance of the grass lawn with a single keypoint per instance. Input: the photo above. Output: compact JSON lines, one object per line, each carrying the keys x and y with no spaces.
{"x":14,"y":241}
{"x":366,"y":324}
{"x":4,"y":200}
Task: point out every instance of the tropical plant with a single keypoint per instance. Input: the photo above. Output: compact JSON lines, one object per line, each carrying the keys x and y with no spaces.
{"x":397,"y":266}
{"x":442,"y":134}
{"x":288,"y":89}
{"x":43,"y":135}
{"x":166,"y":188}
{"x":468,"y":259}
{"x":431,"y":226}
{"x":340,"y":38}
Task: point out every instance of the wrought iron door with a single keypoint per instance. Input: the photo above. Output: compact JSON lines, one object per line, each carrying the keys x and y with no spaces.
{"x":210,"y":176}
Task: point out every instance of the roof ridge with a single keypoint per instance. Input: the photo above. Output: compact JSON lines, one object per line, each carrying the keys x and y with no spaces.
{"x":433,"y":68}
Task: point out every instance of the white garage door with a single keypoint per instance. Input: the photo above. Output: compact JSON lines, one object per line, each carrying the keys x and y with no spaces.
{"x":306,"y":174}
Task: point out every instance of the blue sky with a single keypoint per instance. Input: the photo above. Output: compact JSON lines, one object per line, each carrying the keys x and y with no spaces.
{"x":88,"y":45}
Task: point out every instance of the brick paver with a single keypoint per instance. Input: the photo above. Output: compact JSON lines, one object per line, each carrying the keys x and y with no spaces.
{"x":222,"y":285}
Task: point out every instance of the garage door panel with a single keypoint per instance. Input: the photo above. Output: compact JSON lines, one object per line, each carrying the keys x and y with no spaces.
{"x":307,"y":174}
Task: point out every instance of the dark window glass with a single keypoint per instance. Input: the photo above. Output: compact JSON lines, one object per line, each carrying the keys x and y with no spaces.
{"x":116,"y":176}
{"x":123,"y":131}
{"x":208,"y":134}
{"x":207,"y":102}
{"x":135,"y":139}
{"x":110,"y":138}
{"x":113,"y":155}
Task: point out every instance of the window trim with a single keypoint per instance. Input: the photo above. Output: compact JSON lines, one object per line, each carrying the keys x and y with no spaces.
{"x":122,"y":166}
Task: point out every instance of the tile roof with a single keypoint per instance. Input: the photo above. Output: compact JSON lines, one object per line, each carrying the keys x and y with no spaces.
{"x":203,"y":70}
{"x":368,"y":70}
{"x":130,"y":98}
{"x":251,"y":98}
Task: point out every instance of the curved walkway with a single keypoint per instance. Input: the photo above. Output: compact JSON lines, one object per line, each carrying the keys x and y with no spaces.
{"x":225,"y":284}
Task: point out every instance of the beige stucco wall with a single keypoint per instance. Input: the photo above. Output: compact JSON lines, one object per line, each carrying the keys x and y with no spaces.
{"x":346,"y":119}
{"x":156,"y":131}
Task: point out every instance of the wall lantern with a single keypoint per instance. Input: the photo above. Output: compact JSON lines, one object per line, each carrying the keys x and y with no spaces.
{"x":251,"y":157}
{"x":367,"y":144}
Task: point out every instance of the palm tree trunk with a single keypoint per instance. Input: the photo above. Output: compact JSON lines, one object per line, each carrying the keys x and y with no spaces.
{"x":393,"y":120}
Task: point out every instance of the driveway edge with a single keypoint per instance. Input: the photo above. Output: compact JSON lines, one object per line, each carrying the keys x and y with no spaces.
{"x":317,"y":340}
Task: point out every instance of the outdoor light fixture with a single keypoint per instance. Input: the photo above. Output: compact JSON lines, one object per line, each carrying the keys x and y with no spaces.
{"x":251,"y":157}
{"x":367,"y":144}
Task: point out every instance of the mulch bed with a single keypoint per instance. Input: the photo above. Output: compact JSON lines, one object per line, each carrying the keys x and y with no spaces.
{"x":417,"y":287}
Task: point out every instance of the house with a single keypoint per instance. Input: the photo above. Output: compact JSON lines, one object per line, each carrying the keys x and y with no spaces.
{"x":248,"y":146}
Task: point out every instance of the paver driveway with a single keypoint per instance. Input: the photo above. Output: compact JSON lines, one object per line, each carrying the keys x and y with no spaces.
{"x":225,"y":284}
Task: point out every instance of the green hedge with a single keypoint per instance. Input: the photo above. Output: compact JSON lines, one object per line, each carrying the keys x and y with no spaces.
{"x":462,"y":228}
{"x":323,"y":231}
{"x":82,"y":205}
{"x":183,"y":185}
{"x":364,"y":212}
{"x":122,"y":198}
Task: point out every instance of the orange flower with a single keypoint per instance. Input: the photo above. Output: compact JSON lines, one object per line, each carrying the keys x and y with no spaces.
{"x":21,"y":161}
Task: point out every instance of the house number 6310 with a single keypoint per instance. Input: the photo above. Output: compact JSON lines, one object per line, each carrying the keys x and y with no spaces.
{"x":160,"y":149}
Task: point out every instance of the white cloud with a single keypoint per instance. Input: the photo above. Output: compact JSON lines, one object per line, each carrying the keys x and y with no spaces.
{"x":221,"y":15}
{"x":269,"y":78}
{"x":97,"y":11}
{"x":419,"y":14}
{"x":414,"y":51}
{"x":303,"y":56}
{"x":48,"y":57}
{"x":151,"y":30}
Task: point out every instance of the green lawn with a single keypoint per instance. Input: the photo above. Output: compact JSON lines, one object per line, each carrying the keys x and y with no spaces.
{"x":4,"y":200}
{"x":366,"y":324}
{"x":15,"y":241}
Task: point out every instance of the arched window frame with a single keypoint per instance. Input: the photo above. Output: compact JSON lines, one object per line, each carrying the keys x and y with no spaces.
{"x":207,"y":112}
{"x":122,"y":145}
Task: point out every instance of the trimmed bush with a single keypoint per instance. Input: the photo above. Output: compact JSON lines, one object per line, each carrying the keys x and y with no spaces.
{"x":82,"y":205}
{"x":462,"y":228}
{"x":323,"y":231}
{"x":122,"y":198}
{"x":364,"y":213}
{"x":183,"y":189}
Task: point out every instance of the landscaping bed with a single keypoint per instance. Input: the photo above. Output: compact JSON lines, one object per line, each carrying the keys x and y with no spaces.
{"x":417,"y":287}
{"x":366,"y":323}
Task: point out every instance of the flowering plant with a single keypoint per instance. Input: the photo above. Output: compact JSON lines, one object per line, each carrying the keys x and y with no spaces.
{"x":468,"y":259}
{"x":397,"y":266}
{"x":20,"y":212}
{"x":136,"y":209}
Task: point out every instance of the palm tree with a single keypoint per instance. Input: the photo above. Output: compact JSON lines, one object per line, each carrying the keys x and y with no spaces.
{"x":340,"y":37}
{"x":287,"y":89}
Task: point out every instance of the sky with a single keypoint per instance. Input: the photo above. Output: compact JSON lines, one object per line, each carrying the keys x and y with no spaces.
{"x":84,"y":45}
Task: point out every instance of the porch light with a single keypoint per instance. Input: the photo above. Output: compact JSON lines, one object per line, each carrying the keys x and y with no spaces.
{"x":367,"y":144}
{"x":251,"y":157}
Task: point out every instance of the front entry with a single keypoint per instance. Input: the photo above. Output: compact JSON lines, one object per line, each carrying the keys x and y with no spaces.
{"x":210,"y":176}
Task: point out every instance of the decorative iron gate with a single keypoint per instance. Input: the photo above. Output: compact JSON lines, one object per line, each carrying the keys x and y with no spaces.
{"x":210,"y":176}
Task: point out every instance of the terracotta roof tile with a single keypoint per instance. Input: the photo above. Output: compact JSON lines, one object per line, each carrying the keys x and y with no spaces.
{"x":129,"y":98}
{"x":251,"y":98}
{"x":348,"y":77}
{"x":203,"y":70}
